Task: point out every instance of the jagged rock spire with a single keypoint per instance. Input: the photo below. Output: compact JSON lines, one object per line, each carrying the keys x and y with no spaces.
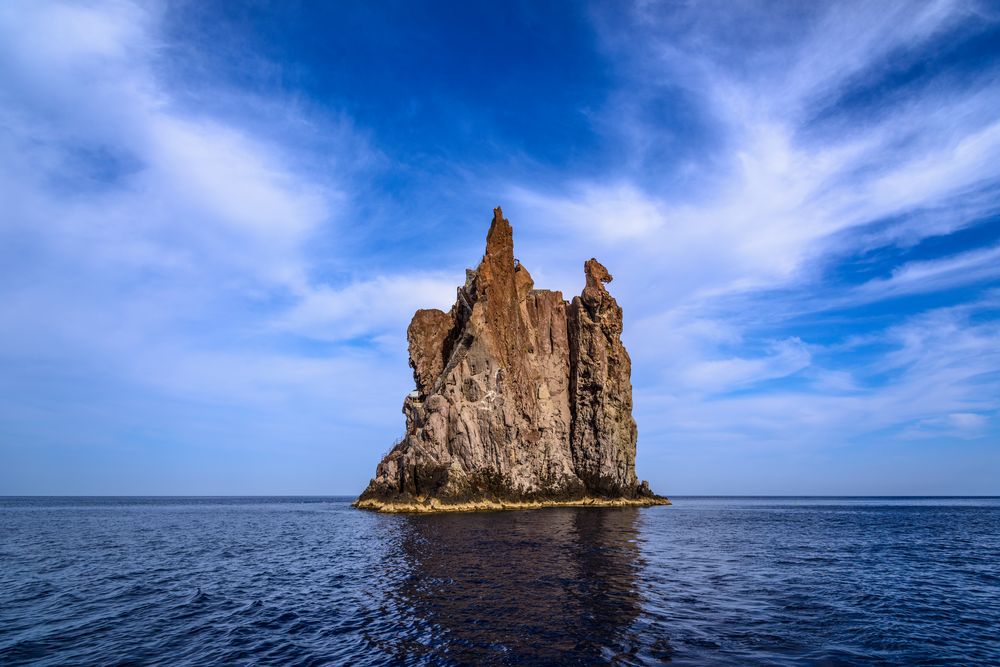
{"x":521,"y":397}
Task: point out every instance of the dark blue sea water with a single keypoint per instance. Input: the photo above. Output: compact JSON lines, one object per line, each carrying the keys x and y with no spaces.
{"x":310,"y":581}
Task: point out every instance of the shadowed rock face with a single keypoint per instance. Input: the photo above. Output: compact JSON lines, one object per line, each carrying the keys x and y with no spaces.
{"x":520,"y":397}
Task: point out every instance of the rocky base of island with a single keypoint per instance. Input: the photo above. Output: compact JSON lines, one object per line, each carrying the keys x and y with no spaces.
{"x":434,"y":505}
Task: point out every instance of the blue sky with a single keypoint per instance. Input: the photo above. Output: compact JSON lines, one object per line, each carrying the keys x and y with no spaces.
{"x":217,"y":219}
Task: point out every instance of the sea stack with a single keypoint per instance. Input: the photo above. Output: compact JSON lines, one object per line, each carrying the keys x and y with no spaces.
{"x":522,"y":399}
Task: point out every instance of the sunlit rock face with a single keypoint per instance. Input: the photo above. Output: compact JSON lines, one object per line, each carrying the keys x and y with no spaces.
{"x":521,"y":399}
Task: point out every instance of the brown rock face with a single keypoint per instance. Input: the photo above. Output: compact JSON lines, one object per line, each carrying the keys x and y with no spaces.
{"x":521,"y":399}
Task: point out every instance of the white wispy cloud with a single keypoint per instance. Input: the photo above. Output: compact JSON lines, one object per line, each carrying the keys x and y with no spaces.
{"x":783,"y":359}
{"x":933,"y":378}
{"x":155,"y":244}
{"x":368,"y":307}
{"x":83,"y":109}
{"x":792,"y":185}
{"x":932,"y":275}
{"x":612,"y":214}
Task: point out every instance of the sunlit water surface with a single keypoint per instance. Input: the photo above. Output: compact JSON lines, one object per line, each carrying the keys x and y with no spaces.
{"x":310,"y":581}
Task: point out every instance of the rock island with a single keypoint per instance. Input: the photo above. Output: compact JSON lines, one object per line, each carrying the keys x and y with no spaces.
{"x":522,"y":399}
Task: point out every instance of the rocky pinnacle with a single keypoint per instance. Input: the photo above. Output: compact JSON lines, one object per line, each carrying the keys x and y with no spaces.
{"x":522,"y":399}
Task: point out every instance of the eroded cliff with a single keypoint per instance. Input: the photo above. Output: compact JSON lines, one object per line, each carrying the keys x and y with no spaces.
{"x":522,"y":399}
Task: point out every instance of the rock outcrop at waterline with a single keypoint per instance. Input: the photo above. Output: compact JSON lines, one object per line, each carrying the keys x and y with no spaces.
{"x":522,"y":399}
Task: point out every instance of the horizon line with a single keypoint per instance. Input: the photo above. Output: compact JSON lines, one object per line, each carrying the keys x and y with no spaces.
{"x":344,"y":495}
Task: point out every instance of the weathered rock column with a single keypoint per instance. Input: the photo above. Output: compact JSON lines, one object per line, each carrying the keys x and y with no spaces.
{"x":521,"y":399}
{"x":604,"y":435}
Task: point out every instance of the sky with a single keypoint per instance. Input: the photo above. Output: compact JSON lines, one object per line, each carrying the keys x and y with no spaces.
{"x":217,"y":218}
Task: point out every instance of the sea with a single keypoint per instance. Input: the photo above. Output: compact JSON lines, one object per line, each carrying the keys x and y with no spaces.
{"x":311,"y":581}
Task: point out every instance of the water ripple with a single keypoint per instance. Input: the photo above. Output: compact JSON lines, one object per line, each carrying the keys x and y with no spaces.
{"x":306,"y":581}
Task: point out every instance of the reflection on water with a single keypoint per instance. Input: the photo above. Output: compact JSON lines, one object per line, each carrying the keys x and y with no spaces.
{"x":549,"y":585}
